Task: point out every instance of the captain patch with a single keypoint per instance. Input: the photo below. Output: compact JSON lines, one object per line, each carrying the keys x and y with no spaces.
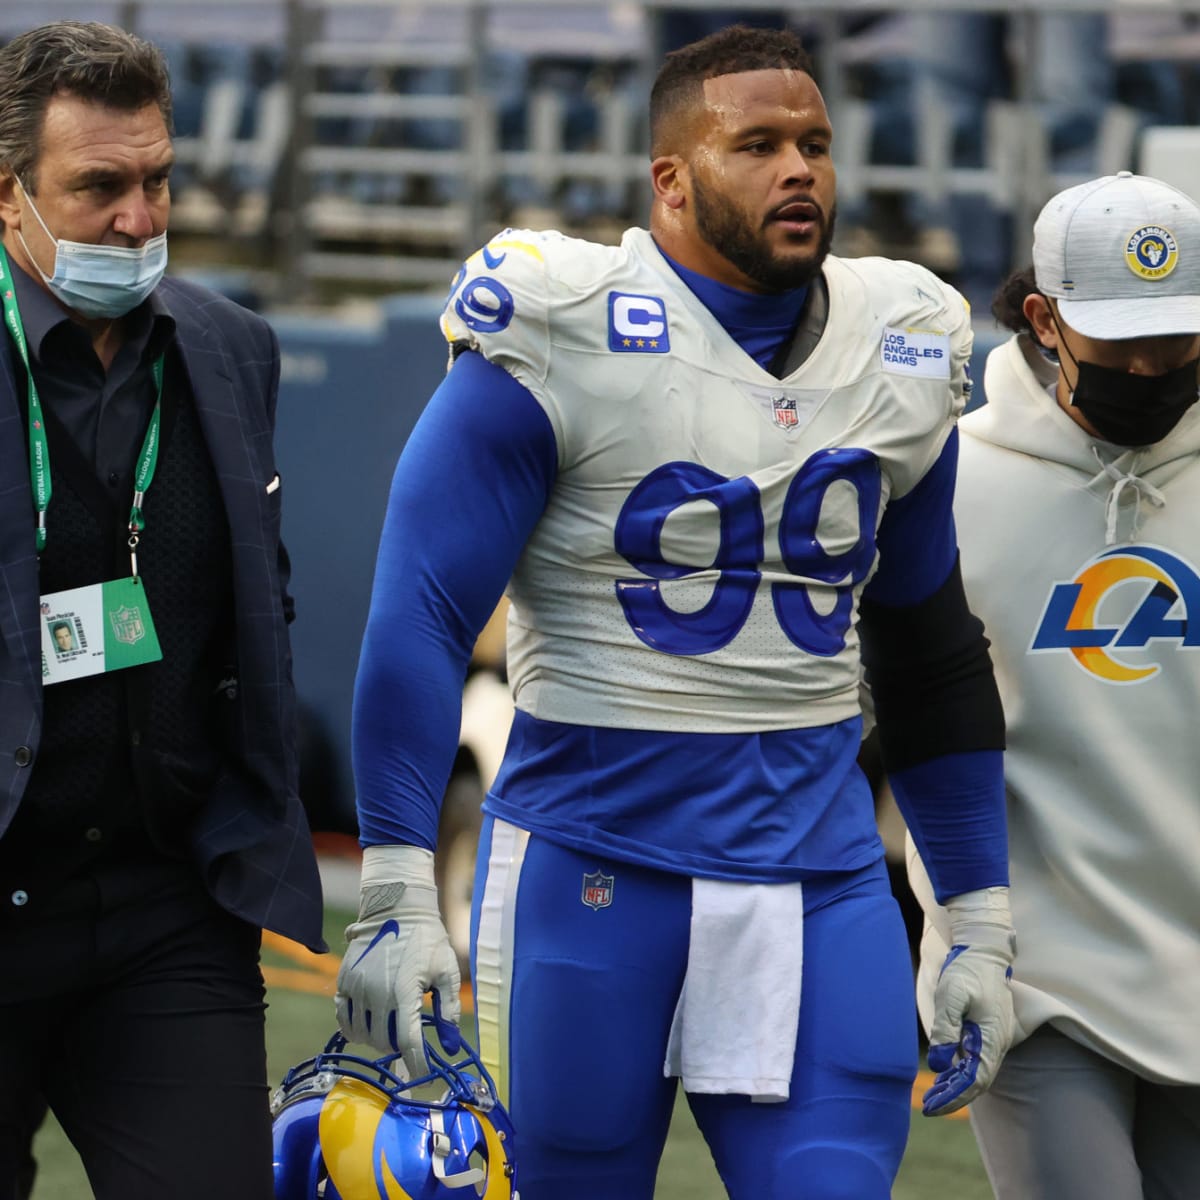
{"x":637,"y":324}
{"x":915,"y":352}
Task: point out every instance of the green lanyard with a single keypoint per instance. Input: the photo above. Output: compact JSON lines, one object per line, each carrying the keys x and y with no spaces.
{"x":39,"y":448}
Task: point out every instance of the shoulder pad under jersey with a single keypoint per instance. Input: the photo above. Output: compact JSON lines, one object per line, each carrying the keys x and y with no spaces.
{"x":912,"y":299}
{"x":512,"y":294}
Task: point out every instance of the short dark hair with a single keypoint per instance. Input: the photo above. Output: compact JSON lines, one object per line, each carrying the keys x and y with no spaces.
{"x":729,"y":51}
{"x":1008,"y":304}
{"x":62,"y":625}
{"x":97,"y":63}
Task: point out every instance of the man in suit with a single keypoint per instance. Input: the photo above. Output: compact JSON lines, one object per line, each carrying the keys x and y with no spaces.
{"x":149,"y":817}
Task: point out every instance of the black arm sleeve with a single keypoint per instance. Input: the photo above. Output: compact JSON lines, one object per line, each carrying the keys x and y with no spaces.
{"x":930,"y":673}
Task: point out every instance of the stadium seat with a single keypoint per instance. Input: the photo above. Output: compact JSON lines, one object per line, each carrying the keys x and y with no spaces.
{"x":1172,"y":153}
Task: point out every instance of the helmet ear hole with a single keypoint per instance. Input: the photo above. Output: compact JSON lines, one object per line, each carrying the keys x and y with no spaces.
{"x":478,"y":1160}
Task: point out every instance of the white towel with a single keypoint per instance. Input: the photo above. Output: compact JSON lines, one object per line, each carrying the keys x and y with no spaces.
{"x":734,"y":1030}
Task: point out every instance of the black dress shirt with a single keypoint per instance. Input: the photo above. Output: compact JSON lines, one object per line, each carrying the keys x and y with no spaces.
{"x":104,"y":412}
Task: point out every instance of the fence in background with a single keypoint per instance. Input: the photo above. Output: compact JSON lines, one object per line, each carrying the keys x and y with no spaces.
{"x":373,"y":143}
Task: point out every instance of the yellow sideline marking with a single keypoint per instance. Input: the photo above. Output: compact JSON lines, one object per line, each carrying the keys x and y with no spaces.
{"x":313,"y":973}
{"x":317,"y":974}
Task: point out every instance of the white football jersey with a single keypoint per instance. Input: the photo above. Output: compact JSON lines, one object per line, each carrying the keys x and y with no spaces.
{"x":711,"y":527}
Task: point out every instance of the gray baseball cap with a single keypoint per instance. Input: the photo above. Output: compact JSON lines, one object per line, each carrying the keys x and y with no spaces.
{"x":1121,"y":255}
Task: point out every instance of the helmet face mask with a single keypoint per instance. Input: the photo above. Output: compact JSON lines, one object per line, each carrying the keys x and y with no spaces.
{"x":351,"y":1128}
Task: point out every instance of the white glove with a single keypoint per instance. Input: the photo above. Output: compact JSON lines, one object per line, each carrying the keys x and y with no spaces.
{"x":396,"y":951}
{"x":972,"y":1003}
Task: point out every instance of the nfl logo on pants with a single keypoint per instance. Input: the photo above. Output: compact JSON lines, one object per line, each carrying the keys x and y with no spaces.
{"x":597,"y":890}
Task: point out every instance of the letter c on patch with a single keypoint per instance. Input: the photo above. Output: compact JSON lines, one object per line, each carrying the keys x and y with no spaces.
{"x":638,"y":316}
{"x":637,"y":324}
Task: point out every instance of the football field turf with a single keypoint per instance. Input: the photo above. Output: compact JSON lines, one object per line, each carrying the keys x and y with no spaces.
{"x":941,"y":1158}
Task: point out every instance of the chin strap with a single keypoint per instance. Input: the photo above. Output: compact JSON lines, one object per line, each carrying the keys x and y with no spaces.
{"x":441,"y":1151}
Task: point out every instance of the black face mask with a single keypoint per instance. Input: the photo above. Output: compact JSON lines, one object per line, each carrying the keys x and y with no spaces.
{"x":1134,"y":410}
{"x":1127,"y":409}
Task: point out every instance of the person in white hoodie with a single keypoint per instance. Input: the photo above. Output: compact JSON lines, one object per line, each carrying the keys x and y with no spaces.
{"x":1077,"y":501}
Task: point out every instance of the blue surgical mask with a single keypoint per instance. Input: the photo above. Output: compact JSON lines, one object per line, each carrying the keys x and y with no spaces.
{"x":101,"y":281}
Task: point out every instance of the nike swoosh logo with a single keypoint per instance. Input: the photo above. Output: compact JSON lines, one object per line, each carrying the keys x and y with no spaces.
{"x":493,"y":261}
{"x":387,"y":929}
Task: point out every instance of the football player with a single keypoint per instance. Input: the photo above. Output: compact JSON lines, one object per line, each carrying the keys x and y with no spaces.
{"x":714,"y":467}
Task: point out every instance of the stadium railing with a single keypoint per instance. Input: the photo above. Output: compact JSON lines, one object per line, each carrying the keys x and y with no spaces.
{"x":385,"y":139}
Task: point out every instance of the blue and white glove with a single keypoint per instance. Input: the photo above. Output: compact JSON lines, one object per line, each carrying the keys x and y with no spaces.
{"x":972,"y":1004}
{"x":396,"y":951}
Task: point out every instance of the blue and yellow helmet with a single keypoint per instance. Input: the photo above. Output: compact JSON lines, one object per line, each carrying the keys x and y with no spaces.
{"x":351,"y":1128}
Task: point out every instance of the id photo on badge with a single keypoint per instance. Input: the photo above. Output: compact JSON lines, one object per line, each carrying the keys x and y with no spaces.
{"x":66,"y":635}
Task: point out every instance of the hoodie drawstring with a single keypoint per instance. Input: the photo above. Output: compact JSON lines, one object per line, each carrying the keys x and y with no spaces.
{"x":1121,"y":481}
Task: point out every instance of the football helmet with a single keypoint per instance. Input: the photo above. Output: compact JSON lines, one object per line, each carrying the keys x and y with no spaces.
{"x":350,"y":1128}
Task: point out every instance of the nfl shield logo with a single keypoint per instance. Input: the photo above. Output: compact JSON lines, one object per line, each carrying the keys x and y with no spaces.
{"x":783,"y":410}
{"x":127,"y":624}
{"x":597,"y":890}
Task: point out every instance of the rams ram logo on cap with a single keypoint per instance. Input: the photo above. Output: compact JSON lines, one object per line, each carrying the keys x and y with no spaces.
{"x":1151,"y":252}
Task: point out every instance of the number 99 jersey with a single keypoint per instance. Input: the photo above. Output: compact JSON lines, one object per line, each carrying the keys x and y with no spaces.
{"x":699,"y":563}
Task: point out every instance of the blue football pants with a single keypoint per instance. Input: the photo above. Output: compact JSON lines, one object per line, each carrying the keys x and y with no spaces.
{"x":574,"y":1003}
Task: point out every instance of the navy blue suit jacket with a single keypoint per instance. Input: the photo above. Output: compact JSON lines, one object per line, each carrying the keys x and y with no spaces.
{"x":252,"y":842}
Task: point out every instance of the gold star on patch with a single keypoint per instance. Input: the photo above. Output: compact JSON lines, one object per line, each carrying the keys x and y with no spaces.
{"x":641,"y":342}
{"x":626,"y":341}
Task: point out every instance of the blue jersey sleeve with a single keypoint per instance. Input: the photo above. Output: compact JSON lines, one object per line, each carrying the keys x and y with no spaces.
{"x":471,"y":484}
{"x":940,"y":723}
{"x":917,"y":541}
{"x":953,"y":806}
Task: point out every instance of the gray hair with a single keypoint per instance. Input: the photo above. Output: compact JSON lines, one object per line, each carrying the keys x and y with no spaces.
{"x":98,"y":63}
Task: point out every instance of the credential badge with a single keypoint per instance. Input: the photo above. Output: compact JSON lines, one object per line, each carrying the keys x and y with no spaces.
{"x":127,"y":624}
{"x":597,"y":890}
